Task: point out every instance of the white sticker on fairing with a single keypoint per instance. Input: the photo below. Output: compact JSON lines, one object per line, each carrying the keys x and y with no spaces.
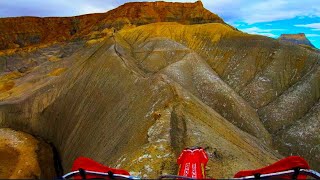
{"x":186,"y":170}
{"x":194,"y":170}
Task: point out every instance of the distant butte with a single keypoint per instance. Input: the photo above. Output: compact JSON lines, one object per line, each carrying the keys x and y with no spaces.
{"x":299,"y":39}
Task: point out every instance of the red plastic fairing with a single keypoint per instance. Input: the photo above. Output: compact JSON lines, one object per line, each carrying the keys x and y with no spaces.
{"x":90,"y":165}
{"x":288,"y":163}
{"x":192,"y":163}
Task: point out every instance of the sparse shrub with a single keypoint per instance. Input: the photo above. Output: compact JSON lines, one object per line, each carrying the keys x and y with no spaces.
{"x":75,"y":26}
{"x":20,"y":40}
{"x":120,"y":23}
{"x":34,"y":39}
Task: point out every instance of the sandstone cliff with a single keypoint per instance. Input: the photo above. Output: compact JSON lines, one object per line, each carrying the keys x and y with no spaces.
{"x":26,"y":31}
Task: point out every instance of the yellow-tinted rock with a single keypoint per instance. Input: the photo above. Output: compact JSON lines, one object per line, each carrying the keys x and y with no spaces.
{"x":57,"y":72}
{"x":24,"y":157}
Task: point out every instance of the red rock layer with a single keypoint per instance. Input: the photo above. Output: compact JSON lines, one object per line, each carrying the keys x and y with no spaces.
{"x":25,"y":31}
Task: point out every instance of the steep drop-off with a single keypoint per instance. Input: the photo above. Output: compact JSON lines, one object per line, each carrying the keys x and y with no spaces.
{"x":135,"y":97}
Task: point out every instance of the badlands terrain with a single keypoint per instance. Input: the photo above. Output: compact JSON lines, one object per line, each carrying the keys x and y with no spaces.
{"x":132,"y":87}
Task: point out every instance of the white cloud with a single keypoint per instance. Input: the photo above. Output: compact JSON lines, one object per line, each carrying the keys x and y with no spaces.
{"x":263,"y":32}
{"x":248,"y":11}
{"x":267,"y":11}
{"x":313,"y":35}
{"x":255,"y":11}
{"x":314,"y":26}
{"x":53,"y":7}
{"x":87,"y":9}
{"x":268,"y":34}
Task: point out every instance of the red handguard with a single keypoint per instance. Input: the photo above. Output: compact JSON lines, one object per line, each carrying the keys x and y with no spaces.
{"x":90,"y":165}
{"x":192,"y":163}
{"x":288,"y":163}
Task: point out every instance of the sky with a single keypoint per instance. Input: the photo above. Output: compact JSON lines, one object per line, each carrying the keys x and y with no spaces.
{"x":265,"y":17}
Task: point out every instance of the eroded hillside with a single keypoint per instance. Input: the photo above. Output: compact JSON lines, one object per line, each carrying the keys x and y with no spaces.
{"x":252,"y":82}
{"x":134,"y":97}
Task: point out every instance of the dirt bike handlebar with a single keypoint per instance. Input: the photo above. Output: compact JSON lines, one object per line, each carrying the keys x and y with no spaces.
{"x":74,"y":173}
{"x":307,"y":172}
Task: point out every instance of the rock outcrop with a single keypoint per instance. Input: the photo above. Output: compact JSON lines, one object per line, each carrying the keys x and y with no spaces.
{"x":135,"y":97}
{"x":23,"y":156}
{"x":300,"y":39}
